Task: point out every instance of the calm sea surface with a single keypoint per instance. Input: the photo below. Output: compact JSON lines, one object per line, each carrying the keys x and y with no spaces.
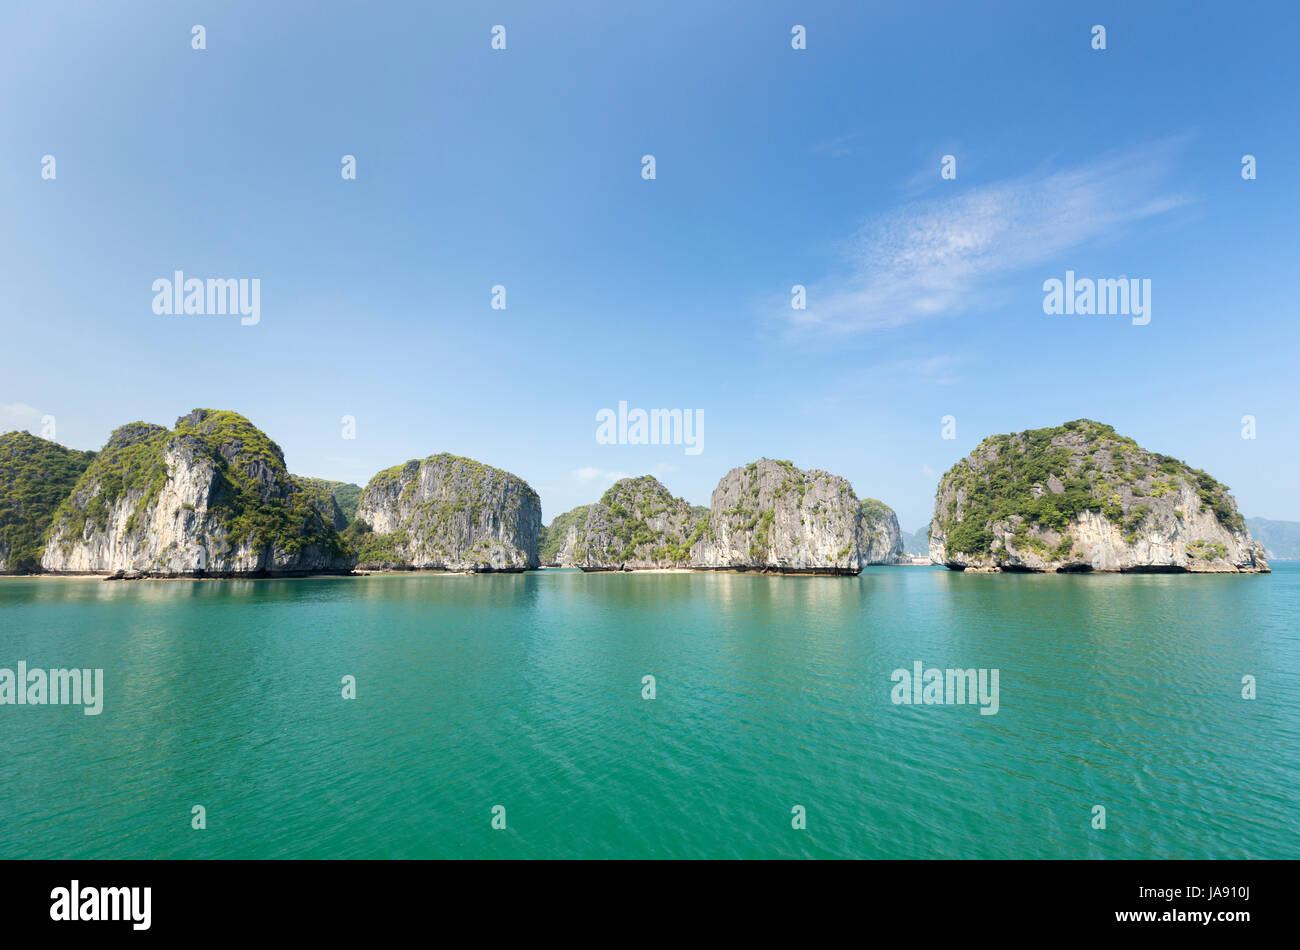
{"x":525,"y":691}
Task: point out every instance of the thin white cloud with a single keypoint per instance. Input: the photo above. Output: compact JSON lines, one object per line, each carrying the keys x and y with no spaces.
{"x":945,"y":256}
{"x":18,"y":415}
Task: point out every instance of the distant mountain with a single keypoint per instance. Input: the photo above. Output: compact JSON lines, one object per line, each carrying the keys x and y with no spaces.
{"x":1280,"y":538}
{"x":917,"y":542}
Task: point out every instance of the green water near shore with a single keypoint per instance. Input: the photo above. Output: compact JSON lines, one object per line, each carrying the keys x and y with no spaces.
{"x":525,"y":691}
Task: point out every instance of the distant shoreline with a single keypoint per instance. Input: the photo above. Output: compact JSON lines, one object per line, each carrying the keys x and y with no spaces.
{"x":433,"y":572}
{"x":423,"y":572}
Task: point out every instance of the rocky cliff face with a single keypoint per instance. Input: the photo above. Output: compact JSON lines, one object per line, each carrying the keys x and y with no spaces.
{"x":636,"y":525}
{"x":771,"y":516}
{"x":767,"y":516}
{"x":211,"y":496}
{"x":36,"y":475}
{"x":560,"y":538}
{"x":1079,"y":497}
{"x":880,"y":540}
{"x":449,"y":513}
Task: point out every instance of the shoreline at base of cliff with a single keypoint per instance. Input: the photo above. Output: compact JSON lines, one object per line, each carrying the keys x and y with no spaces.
{"x":765,"y":572}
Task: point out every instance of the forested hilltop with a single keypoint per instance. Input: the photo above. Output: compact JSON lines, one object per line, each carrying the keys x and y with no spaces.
{"x":1082,"y":497}
{"x":36,"y":475}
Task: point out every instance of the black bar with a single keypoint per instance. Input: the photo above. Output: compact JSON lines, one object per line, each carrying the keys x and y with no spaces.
{"x":949,"y":900}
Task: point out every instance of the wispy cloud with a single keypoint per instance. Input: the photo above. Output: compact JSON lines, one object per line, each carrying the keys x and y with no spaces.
{"x":18,"y":415}
{"x":945,"y":256}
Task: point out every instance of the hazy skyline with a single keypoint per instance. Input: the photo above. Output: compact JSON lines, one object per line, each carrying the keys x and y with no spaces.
{"x":522,"y":168}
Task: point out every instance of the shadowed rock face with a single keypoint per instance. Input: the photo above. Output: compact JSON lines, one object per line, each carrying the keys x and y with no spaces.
{"x":449,"y":513}
{"x":879,"y":537}
{"x":211,"y":496}
{"x":1079,"y":497}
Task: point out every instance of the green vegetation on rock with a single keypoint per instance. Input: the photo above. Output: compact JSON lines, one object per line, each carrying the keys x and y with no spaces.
{"x":253,"y":496}
{"x":1047,"y":478}
{"x":370,"y":548}
{"x":130,"y":464}
{"x":553,"y":534}
{"x":447,"y":512}
{"x":336,"y":501}
{"x":348,"y":496}
{"x":1207,"y":551}
{"x":36,"y":475}
{"x":638,"y":521}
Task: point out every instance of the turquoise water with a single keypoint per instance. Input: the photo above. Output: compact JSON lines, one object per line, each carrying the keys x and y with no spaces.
{"x":526,"y":691}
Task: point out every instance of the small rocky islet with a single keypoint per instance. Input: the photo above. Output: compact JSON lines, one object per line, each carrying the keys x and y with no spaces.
{"x":767,"y":516}
{"x":1081,"y":497}
{"x":446,"y":513}
{"x":212,"y":497}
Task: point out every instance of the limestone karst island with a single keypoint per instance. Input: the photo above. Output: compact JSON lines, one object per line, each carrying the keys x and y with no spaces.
{"x":212,"y":497}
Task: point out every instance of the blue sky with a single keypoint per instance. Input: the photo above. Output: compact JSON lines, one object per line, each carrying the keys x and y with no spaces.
{"x":774,"y":167}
